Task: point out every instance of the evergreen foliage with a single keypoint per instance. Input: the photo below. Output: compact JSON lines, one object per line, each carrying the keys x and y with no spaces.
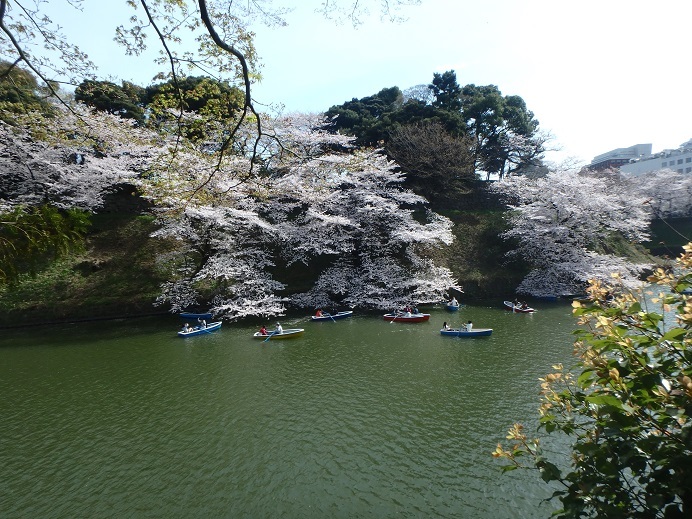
{"x":503,"y":135}
{"x":20,"y":93}
{"x":125,"y":101}
{"x":211,"y":100}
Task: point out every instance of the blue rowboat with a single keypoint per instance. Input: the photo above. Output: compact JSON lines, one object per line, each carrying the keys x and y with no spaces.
{"x":328,"y":317}
{"x":199,"y":330}
{"x":193,"y":316}
{"x":452,"y":308}
{"x":475,"y":332}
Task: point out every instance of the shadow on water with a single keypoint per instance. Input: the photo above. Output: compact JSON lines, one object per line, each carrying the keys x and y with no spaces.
{"x":356,"y":418}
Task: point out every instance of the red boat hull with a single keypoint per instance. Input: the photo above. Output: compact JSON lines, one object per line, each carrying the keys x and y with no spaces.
{"x":414,"y":318}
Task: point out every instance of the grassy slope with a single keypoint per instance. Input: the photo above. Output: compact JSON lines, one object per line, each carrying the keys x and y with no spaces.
{"x":478,"y":255}
{"x":116,"y":276}
{"x":668,"y":236}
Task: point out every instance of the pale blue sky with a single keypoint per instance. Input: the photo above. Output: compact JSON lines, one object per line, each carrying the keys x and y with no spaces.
{"x":597,"y":74}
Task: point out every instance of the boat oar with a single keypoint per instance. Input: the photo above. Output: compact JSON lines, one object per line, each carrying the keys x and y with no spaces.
{"x":270,"y":336}
{"x":200,"y":329}
{"x":330,"y":316}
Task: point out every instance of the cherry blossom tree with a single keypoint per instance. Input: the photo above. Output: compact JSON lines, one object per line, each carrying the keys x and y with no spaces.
{"x":73,"y":160}
{"x":207,"y":37}
{"x":564,"y":225}
{"x":320,"y":202}
{"x":366,"y":222}
{"x":669,"y":193}
{"x":223,"y":248}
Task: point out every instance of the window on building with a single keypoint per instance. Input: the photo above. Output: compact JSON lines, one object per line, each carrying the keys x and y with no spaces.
{"x":688,"y":159}
{"x":688,"y":170}
{"x":664,"y":164}
{"x":679,"y":161}
{"x":680,"y":170}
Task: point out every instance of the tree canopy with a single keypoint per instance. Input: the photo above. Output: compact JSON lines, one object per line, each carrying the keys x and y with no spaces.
{"x":322,"y":203}
{"x":125,"y":101}
{"x":446,"y":91}
{"x":20,"y":93}
{"x":368,"y":119}
{"x":337,"y":210}
{"x":503,"y":135}
{"x":438,"y":165}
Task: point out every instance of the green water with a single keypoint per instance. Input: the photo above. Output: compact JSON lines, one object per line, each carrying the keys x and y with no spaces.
{"x":357,"y":418}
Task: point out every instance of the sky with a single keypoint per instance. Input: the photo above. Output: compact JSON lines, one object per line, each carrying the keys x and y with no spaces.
{"x":598,"y":75}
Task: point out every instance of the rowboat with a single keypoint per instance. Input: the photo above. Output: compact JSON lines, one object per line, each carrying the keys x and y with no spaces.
{"x":406,"y":318}
{"x":452,"y":307}
{"x":286,"y":334}
{"x":193,"y":316}
{"x":200,"y":330}
{"x":329,"y":317}
{"x":475,"y":332}
{"x":518,"y":309}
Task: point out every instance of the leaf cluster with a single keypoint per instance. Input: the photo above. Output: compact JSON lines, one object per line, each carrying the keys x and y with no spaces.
{"x":628,"y":410}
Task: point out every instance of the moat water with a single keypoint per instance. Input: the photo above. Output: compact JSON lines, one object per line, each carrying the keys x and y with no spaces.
{"x":358,"y":418}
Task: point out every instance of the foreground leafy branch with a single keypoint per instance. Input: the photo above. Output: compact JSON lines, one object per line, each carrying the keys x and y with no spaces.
{"x":626,"y":409}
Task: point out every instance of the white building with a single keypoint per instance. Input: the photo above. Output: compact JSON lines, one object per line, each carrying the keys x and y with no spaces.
{"x":616,"y":158}
{"x":679,"y":160}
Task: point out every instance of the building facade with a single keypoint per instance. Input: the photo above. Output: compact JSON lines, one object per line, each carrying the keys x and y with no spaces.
{"x":638,"y":159}
{"x":616,"y":158}
{"x":679,"y":160}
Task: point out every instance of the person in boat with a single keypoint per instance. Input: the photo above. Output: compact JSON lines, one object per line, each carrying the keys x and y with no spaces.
{"x":318,"y":313}
{"x":186,"y":328}
{"x":263,"y":330}
{"x":453,"y":302}
{"x":279,"y":328}
{"x":445,"y":326}
{"x":469,"y":326}
{"x":202,"y":323}
{"x":415,"y":310}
